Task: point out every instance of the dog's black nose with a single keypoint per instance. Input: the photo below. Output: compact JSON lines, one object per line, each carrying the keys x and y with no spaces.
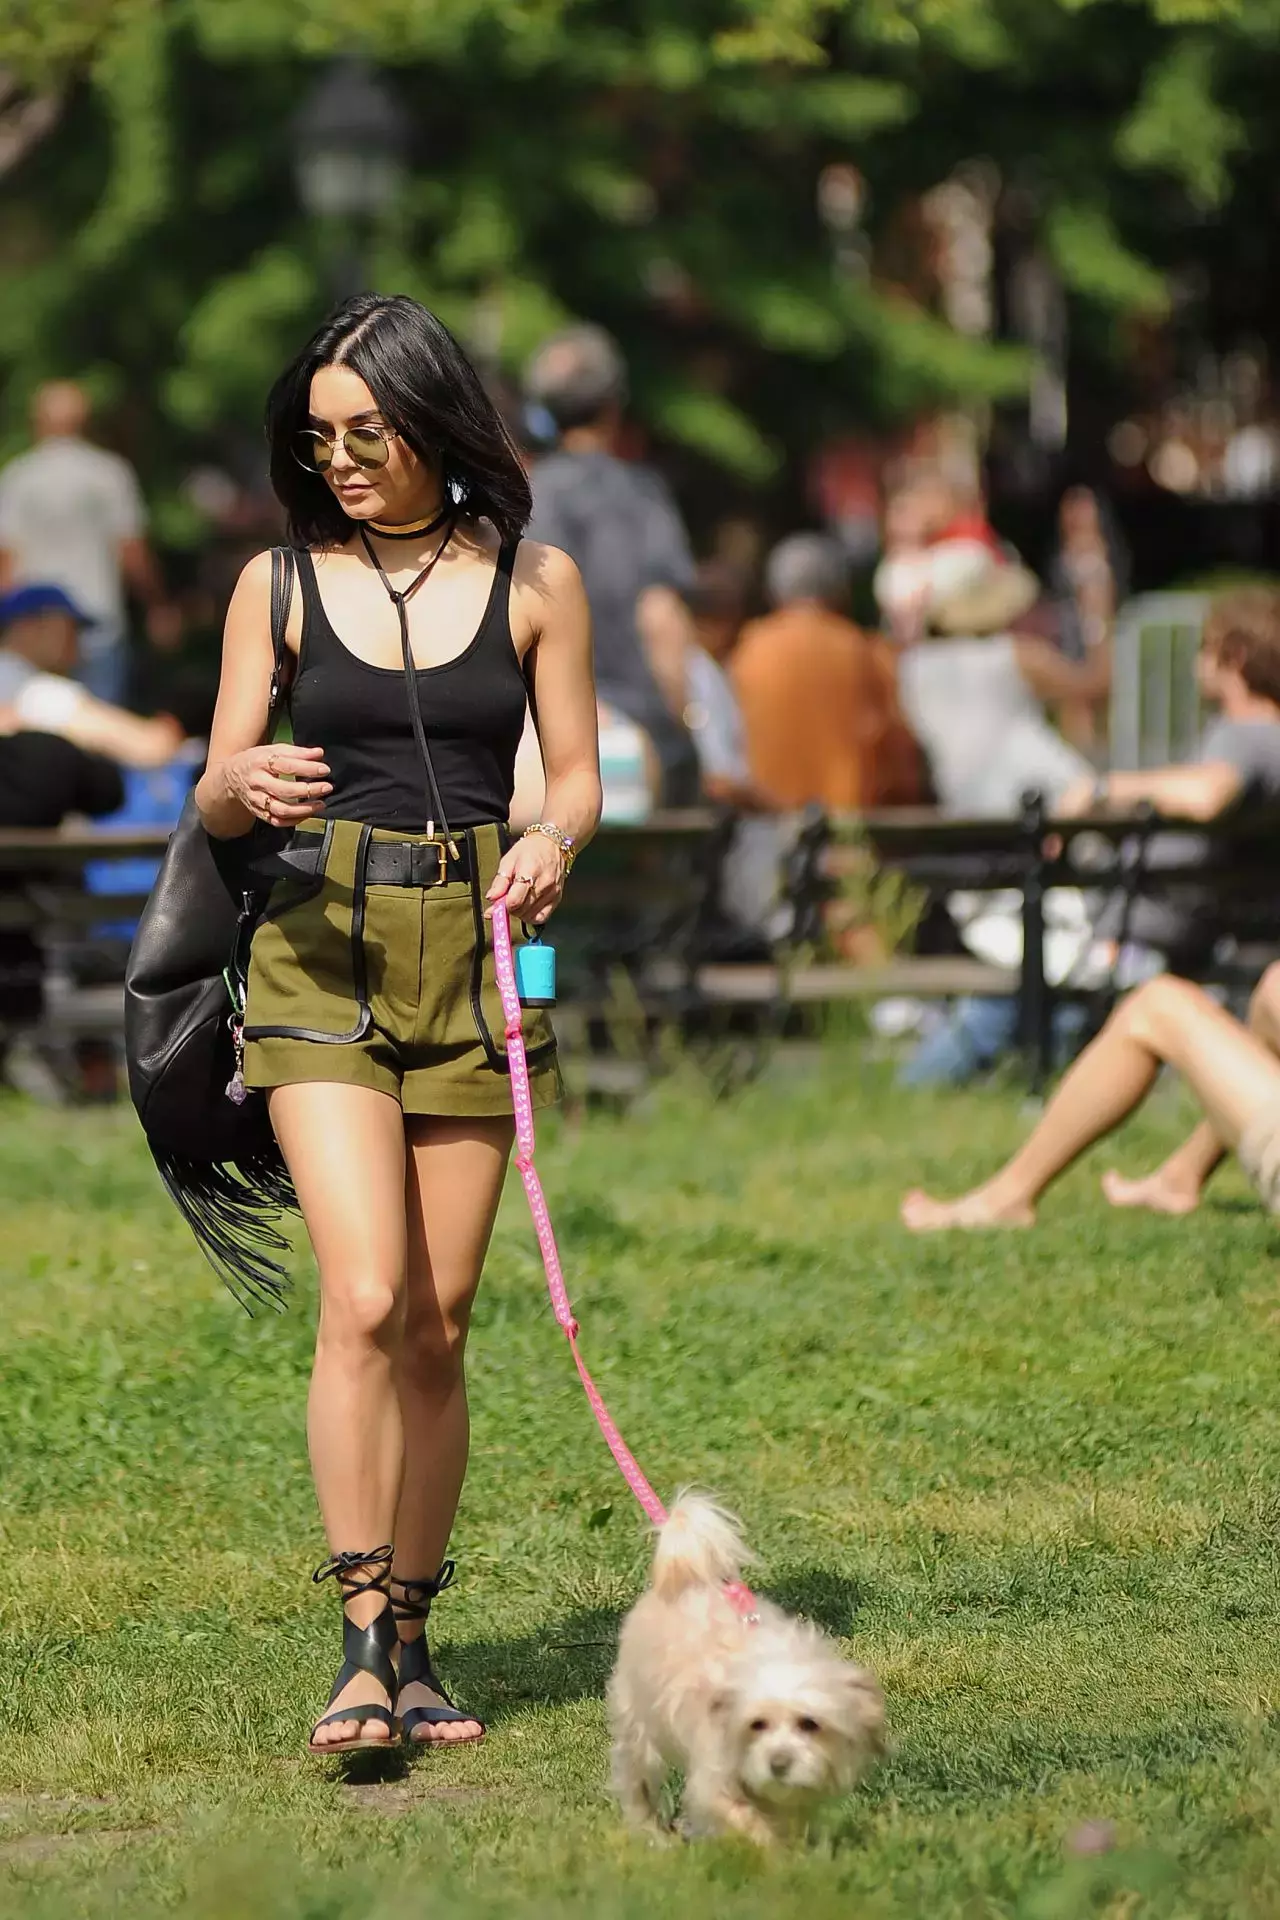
{"x":780,"y":1766}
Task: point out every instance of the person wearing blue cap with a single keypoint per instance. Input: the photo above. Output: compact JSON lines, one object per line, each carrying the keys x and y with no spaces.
{"x":40,"y":627}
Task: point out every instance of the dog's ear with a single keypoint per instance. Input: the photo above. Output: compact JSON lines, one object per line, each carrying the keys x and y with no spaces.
{"x":866,"y":1700}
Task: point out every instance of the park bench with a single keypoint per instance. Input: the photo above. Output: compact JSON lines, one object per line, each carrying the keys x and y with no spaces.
{"x":628,"y":939}
{"x":1032,"y":854}
{"x":637,"y":935}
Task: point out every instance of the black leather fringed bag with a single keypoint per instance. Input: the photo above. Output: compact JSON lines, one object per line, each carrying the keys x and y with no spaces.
{"x":184,"y":999}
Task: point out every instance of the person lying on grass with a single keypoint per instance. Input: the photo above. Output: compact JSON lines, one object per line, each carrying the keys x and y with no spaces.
{"x":1234,"y":1072}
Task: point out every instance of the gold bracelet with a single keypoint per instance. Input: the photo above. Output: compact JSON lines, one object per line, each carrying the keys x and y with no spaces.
{"x":551,"y":831}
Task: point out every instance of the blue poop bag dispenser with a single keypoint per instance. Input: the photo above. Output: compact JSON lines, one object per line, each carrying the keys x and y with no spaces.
{"x":536,"y":971}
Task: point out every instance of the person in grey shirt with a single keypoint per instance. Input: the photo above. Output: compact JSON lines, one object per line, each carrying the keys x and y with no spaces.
{"x":617,"y":520}
{"x":1237,"y":768}
{"x":71,"y":515}
{"x":1238,"y":670}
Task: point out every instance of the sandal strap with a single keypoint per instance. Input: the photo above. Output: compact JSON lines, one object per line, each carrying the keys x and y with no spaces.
{"x":415,"y":1597}
{"x":345,"y":1567}
{"x":415,"y":1666}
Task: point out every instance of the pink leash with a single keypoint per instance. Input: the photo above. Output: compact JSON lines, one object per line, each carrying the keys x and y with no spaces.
{"x":739,"y":1596}
{"x":628,"y":1466}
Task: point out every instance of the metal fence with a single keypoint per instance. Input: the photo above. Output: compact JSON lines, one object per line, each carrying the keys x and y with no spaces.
{"x":1155,"y":703}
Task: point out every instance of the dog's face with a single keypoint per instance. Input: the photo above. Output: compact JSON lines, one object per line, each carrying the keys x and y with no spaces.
{"x":800,"y":1730}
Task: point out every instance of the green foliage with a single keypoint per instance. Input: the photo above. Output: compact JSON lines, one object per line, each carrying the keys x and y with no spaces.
{"x":650,"y":165}
{"x":1179,"y":128}
{"x":1094,"y":262}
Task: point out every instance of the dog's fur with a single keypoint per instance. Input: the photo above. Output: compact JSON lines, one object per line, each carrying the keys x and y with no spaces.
{"x":766,"y":1718}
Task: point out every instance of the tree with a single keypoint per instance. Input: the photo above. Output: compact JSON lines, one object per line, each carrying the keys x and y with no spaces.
{"x":648,"y":163}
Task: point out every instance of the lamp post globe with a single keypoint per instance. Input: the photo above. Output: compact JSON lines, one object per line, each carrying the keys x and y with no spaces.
{"x":349,"y":139}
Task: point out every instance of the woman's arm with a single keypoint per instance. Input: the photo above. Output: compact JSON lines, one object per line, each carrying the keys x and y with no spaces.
{"x":1051,"y":677}
{"x":1195,"y":792}
{"x":50,"y":704}
{"x":558,"y":668}
{"x":246,"y":778}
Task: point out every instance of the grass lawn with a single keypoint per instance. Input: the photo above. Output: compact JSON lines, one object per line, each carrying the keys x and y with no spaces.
{"x":1032,"y":1478}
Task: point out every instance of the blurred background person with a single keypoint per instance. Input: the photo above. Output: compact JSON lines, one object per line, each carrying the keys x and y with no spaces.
{"x":1088,"y":580}
{"x":44,"y":781}
{"x":72,"y":515}
{"x":974,"y":689}
{"x":712,"y":712}
{"x":617,"y":520}
{"x":817,"y":694}
{"x":40,"y":628}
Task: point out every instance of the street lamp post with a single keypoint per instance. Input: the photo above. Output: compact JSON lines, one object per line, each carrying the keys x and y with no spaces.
{"x":350,"y":138}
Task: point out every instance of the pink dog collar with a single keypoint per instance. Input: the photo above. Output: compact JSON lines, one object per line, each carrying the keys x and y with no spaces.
{"x":743,"y":1601}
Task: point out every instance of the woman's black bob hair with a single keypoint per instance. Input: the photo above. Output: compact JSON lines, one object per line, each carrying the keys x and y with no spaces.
{"x":427,"y":389}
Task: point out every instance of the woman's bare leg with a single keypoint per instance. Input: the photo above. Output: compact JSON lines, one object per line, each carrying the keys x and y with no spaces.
{"x":345,"y":1148}
{"x":1229,"y":1070}
{"x":1176,"y":1185}
{"x":454,"y":1183}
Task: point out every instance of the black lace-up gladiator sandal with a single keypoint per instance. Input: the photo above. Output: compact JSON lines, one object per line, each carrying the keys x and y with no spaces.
{"x":364,"y":1649}
{"x":412,"y":1601}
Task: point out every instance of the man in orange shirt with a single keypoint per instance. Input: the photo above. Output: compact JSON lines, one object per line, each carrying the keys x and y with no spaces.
{"x":819,"y":696}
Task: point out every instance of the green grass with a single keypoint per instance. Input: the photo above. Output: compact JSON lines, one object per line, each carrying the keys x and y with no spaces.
{"x":1033,"y":1480}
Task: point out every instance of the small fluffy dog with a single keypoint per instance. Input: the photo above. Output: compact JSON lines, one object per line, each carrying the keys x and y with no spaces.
{"x":761,"y":1711}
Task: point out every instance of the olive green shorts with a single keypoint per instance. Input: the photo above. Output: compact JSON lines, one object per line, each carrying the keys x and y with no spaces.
{"x":386,"y":986}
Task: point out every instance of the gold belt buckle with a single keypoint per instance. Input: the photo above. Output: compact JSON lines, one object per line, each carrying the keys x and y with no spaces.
{"x":420,"y":852}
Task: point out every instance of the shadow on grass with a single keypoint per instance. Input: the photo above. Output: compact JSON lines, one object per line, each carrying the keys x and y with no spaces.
{"x":829,"y":1599}
{"x":566,"y":1661}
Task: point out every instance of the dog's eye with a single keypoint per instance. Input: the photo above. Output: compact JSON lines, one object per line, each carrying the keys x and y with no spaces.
{"x":808,"y":1725}
{"x":759,"y":1726}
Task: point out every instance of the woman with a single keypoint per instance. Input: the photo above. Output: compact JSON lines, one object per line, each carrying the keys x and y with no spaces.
{"x":975,"y":689}
{"x":974,"y":692}
{"x":1233,"y":1071}
{"x":366,"y":1022}
{"x":1088,"y":578}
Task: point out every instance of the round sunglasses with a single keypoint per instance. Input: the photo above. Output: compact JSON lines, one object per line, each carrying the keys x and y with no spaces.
{"x":367,"y":447}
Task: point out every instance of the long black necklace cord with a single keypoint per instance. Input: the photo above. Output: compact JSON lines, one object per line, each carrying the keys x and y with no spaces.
{"x":398,"y":599}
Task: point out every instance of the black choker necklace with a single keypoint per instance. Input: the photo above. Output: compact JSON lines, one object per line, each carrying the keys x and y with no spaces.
{"x":411,"y":530}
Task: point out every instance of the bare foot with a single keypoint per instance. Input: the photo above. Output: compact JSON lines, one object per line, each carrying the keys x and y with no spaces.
{"x":981,"y":1208}
{"x":438,"y":1733}
{"x":444,"y":1733}
{"x":1153,"y":1192}
{"x":364,"y":1690}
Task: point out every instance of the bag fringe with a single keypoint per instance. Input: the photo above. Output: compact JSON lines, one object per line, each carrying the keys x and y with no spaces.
{"x":232,"y":1209}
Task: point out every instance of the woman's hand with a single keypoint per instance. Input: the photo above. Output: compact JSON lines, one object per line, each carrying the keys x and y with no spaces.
{"x":530,"y":879}
{"x":280,"y":785}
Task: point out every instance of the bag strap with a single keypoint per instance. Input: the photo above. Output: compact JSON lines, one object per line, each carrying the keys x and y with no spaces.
{"x":283,"y":571}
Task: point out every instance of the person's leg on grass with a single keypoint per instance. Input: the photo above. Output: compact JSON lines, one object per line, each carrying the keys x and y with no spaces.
{"x":454,"y":1181}
{"x":345,"y":1148}
{"x":1177,"y":1184}
{"x":1167,"y":1020}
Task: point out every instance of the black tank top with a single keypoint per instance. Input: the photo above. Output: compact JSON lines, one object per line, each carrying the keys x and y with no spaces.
{"x":473,"y":709}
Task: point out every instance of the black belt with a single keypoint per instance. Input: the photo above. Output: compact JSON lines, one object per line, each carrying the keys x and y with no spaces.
{"x":390,"y":863}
